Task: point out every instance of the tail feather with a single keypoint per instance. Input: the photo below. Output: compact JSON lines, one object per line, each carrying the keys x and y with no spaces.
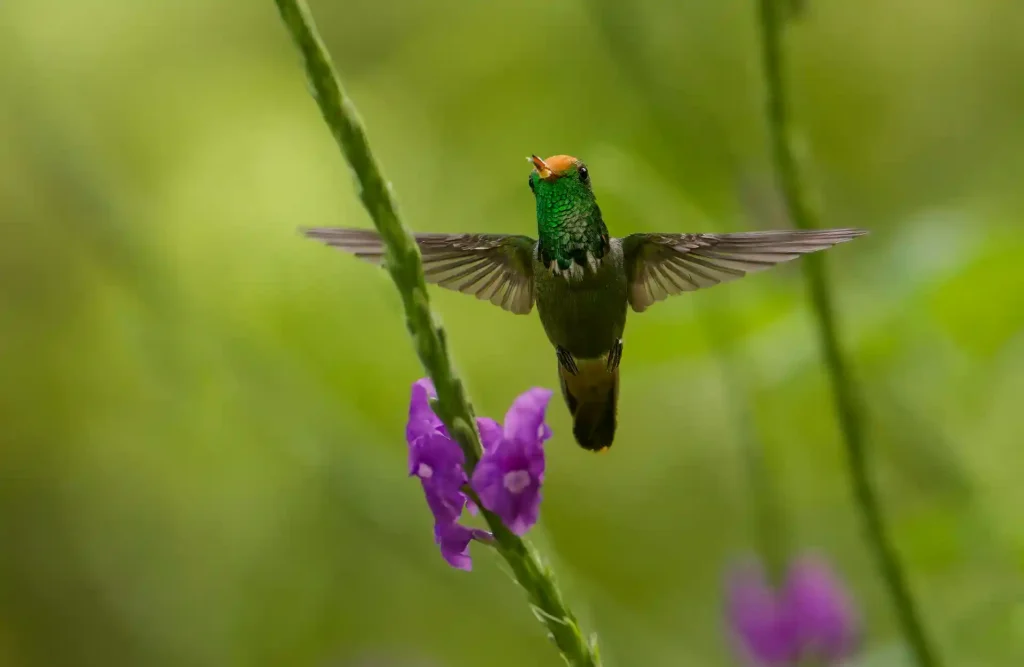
{"x":592,"y":397}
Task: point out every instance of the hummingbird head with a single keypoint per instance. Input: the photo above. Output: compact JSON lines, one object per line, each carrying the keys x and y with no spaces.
{"x":568,"y":219}
{"x":560,"y":177}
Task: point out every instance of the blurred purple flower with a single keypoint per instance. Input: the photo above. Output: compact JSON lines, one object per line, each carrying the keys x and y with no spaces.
{"x":824,"y":620}
{"x":810,"y":618}
{"x":510,"y":473}
{"x":757,"y":621}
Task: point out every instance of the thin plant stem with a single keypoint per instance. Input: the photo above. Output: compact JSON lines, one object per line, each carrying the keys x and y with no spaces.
{"x":772,"y":14}
{"x":406,"y":269}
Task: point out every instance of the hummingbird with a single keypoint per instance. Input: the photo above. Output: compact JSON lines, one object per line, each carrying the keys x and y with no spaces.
{"x":583,"y":281}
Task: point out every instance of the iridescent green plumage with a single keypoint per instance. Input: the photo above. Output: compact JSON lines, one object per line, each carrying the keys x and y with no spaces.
{"x":584,"y":281}
{"x":569,"y":223}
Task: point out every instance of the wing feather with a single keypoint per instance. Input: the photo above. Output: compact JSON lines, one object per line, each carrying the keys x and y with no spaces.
{"x":492,"y":267}
{"x":661,"y":265}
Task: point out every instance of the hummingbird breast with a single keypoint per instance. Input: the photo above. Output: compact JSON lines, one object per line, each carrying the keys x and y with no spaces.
{"x":584,"y":311}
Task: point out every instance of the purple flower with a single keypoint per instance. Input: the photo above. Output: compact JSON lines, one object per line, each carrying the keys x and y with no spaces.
{"x":824,"y":621}
{"x":437,"y":460}
{"x":810,"y":618}
{"x":434,"y":457}
{"x":757,"y":620}
{"x":507,"y":478}
{"x":510,"y":473}
{"x":454,"y":539}
{"x":490,"y":432}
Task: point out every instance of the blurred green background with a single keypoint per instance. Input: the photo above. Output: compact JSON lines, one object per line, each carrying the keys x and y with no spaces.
{"x":202,"y":458}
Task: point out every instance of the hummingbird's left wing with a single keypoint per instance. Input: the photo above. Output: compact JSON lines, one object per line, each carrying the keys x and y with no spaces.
{"x":660,"y":265}
{"x":495,"y":267}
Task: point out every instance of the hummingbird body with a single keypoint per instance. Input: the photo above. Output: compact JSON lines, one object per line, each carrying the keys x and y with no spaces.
{"x":581,"y":290}
{"x":584,"y":281}
{"x":584,"y":312}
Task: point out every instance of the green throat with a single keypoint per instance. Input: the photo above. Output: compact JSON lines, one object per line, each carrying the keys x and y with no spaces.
{"x":569,"y":223}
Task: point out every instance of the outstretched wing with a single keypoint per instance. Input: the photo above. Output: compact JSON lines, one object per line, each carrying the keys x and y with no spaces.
{"x":660,"y":265}
{"x":495,"y":267}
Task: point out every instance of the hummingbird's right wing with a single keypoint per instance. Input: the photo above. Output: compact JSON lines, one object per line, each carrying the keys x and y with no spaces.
{"x":495,"y":267}
{"x":660,"y":265}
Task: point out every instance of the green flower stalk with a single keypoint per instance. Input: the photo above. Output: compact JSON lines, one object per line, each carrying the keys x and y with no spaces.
{"x":773,"y":17}
{"x":404,"y":264}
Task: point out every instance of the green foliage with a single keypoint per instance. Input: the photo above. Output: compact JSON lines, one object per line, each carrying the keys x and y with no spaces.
{"x":202,"y":459}
{"x":775,"y":16}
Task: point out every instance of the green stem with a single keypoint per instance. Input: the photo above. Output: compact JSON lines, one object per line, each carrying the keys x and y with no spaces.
{"x":772,"y":23}
{"x":406,"y":269}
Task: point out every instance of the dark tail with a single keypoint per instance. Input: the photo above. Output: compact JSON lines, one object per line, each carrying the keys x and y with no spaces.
{"x":592,"y":397}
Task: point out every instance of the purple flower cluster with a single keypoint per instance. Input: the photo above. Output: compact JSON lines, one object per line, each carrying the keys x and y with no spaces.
{"x":507,"y":479}
{"x":809,"y":620}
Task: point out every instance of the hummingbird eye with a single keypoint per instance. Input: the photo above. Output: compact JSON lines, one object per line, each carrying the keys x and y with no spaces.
{"x":584,"y":175}
{"x":530,"y":181}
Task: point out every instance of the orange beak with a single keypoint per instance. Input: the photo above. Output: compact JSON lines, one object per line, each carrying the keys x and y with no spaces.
{"x":541,"y":167}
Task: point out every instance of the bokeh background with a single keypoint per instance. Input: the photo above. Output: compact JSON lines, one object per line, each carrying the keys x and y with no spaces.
{"x":201,"y":453}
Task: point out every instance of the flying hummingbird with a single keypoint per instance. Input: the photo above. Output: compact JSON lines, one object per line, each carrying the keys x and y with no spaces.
{"x":583,"y":280}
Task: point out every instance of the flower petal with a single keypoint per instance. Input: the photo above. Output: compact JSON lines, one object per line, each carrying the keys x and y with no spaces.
{"x":484,"y":536}
{"x":526,"y":510}
{"x":486,"y":482}
{"x":524,"y":421}
{"x":454,"y":540}
{"x":759,"y":628}
{"x":508,"y":481}
{"x":422,"y":420}
{"x":441,"y":456}
{"x":437,"y":461}
{"x":822,"y":613}
{"x":445,"y":503}
{"x":490,"y":432}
